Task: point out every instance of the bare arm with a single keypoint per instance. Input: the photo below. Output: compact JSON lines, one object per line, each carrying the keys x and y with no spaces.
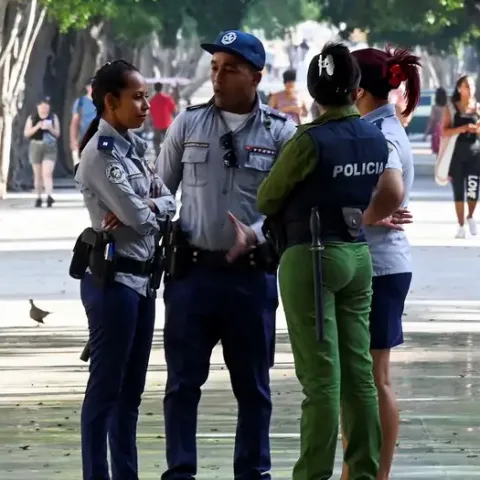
{"x":55,"y":128}
{"x":448,"y":130}
{"x":272,"y":102}
{"x":431,"y":122}
{"x":387,"y":197}
{"x":31,"y":129}
{"x":74,"y":131}
{"x":303,"y":110}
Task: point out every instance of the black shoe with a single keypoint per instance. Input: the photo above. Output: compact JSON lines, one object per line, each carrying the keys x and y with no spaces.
{"x":50,"y":201}
{"x":38,"y":203}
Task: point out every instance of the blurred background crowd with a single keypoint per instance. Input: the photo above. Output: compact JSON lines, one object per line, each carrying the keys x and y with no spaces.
{"x":49,"y":50}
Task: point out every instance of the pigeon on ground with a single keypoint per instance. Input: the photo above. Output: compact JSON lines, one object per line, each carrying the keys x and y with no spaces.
{"x":37,"y":314}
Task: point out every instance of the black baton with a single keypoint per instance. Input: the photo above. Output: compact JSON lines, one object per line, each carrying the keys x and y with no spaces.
{"x":85,"y":356}
{"x":316,"y":250}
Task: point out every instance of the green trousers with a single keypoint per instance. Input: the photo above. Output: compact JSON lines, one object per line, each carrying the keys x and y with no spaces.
{"x":336,"y":373}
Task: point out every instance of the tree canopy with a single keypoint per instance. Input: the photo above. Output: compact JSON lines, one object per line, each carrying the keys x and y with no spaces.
{"x":275,"y":17}
{"x":438,"y":25}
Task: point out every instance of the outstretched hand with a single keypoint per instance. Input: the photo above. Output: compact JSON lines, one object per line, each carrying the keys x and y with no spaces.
{"x":401,"y":217}
{"x":245,"y":239}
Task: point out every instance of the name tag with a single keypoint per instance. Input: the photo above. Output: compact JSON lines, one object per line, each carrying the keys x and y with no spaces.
{"x":261,"y":150}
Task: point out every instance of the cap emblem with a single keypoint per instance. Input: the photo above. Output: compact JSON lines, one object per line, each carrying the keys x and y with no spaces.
{"x":229,"y":38}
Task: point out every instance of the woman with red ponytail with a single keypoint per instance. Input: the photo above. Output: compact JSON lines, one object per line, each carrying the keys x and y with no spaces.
{"x":382,"y":72}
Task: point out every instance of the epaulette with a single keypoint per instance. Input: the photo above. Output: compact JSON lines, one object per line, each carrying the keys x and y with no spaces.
{"x":271,"y":112}
{"x":105,"y":143}
{"x":378,"y":123}
{"x":197,"y":107}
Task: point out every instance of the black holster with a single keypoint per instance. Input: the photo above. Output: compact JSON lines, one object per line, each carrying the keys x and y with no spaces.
{"x":102,"y":267}
{"x":177,"y":252}
{"x":276,"y":237}
{"x":90,"y":252}
{"x":159,"y":262}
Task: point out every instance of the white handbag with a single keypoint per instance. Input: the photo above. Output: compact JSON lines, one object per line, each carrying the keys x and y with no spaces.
{"x":444,"y":158}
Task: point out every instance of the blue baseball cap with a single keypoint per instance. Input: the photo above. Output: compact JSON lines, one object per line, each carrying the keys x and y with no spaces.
{"x":242,"y":44}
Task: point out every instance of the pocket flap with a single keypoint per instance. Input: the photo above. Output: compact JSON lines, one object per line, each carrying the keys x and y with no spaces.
{"x":262,"y":163}
{"x":195,"y":155}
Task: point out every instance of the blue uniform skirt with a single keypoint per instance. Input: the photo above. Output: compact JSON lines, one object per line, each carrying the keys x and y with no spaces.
{"x":388,"y":303}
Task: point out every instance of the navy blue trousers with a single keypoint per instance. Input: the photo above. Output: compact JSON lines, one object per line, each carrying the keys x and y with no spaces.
{"x":121,"y":326}
{"x":238,"y":309}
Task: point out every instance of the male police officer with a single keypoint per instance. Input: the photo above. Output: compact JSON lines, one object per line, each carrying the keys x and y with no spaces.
{"x":221,"y":151}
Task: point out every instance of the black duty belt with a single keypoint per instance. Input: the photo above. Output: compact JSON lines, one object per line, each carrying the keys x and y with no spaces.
{"x":218,"y":259}
{"x":134,"y":267}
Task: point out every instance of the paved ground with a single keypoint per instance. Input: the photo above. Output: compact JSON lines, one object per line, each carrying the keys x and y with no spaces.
{"x":41,"y":378}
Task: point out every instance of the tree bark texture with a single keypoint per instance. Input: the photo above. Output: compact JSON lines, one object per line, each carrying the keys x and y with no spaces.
{"x":21,"y":27}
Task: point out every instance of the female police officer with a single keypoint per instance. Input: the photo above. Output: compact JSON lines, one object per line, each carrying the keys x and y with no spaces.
{"x":116,"y":183}
{"x":332,"y":164}
{"x":382,"y":72}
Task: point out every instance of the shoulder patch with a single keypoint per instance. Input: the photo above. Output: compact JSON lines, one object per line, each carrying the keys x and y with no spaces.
{"x":115,"y":173}
{"x":105,"y":143}
{"x":271,"y":112}
{"x":197,"y":107}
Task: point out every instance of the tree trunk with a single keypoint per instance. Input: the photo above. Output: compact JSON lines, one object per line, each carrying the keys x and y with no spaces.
{"x":6,"y":142}
{"x":23,"y":24}
{"x":40,"y":85}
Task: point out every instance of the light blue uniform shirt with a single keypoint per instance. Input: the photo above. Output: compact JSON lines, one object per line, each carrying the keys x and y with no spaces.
{"x":390,"y":249}
{"x":115,"y":177}
{"x":193,"y":155}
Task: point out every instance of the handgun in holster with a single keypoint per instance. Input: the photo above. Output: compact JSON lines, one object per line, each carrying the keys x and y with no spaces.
{"x":159,"y":258}
{"x":85,"y":243}
{"x":102,"y":259}
{"x":274,"y":232}
{"x":177,"y":253}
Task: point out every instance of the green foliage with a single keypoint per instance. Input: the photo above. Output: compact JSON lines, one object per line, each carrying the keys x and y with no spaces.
{"x":132,"y":20}
{"x":439,"y":25}
{"x":215,"y":16}
{"x":135,"y":19}
{"x":275,"y":17}
{"x":79,"y":13}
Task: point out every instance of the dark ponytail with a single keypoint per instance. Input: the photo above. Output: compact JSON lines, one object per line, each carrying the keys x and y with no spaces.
{"x":401,"y":67}
{"x":385,"y":70}
{"x":91,"y":131}
{"x":333,"y":75}
{"x":111,"y":79}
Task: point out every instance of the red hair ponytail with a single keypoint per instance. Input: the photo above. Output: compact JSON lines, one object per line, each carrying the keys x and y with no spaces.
{"x":401,"y":67}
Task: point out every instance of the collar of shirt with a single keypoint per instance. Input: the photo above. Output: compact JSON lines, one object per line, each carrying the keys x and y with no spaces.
{"x":123,"y":145}
{"x":337,"y":113}
{"x":253,"y":113}
{"x":387,"y":110}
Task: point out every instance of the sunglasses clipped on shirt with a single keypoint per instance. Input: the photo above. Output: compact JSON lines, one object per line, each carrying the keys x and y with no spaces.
{"x":230,"y":158}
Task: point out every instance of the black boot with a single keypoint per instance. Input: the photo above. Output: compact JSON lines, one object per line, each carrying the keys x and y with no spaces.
{"x":50,"y":201}
{"x":38,"y":202}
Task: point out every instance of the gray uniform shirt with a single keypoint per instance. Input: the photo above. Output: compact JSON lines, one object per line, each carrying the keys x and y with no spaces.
{"x":114,"y":177}
{"x":193,"y":154}
{"x":390,"y":249}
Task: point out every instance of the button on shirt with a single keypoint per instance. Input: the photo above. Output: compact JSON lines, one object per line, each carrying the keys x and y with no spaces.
{"x":193,"y":155}
{"x":390,"y":249}
{"x":114,"y":177}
